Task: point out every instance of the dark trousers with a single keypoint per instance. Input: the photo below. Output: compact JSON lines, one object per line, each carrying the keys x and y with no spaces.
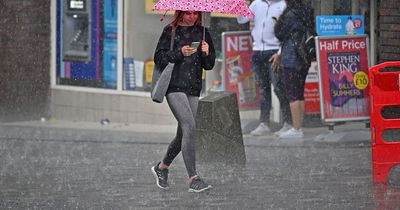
{"x":265,"y":76}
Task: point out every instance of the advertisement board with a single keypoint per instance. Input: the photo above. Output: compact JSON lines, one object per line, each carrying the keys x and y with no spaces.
{"x":237,"y":52}
{"x":343,"y":77}
{"x":336,"y":25}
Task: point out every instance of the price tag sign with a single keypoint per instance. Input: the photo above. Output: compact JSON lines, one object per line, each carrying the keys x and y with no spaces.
{"x":343,"y":77}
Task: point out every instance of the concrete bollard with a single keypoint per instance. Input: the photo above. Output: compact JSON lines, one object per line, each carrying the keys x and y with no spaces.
{"x":218,"y":131}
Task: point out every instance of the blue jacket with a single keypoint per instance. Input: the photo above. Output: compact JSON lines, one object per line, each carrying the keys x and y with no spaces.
{"x":289,"y":30}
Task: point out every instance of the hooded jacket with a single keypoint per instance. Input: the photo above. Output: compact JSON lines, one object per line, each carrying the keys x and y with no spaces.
{"x":291,"y":27}
{"x":187,"y":73}
{"x":263,"y":31}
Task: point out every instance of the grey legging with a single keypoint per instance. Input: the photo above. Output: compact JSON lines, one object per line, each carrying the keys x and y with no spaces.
{"x":184,"y":108}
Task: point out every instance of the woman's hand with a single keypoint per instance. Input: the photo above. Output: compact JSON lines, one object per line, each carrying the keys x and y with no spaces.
{"x":276,"y":61}
{"x":187,"y":50}
{"x":204,"y":47}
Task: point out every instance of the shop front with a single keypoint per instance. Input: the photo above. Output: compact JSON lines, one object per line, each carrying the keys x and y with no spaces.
{"x":102,"y":53}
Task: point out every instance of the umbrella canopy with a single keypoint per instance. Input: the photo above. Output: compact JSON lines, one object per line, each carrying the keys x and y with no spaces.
{"x":236,"y":7}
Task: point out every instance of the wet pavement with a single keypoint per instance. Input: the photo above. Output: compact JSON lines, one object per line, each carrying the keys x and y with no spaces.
{"x":76,"y":165}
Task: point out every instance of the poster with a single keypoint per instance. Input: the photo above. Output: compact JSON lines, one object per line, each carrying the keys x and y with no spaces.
{"x":343,"y":77}
{"x":335,"y":25}
{"x":237,"y":53}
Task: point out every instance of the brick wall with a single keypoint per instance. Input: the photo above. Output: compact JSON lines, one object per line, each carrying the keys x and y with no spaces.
{"x":389,"y":30}
{"x":25,"y":59}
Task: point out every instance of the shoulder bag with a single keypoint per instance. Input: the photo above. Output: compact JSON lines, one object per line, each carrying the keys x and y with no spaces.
{"x":161,"y":78}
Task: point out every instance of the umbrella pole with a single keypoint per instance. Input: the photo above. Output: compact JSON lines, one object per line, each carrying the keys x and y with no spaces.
{"x":203,"y":20}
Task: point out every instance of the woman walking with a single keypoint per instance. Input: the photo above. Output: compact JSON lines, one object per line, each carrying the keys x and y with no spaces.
{"x":184,"y":89}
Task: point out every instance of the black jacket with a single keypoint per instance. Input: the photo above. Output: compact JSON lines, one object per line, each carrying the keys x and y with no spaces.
{"x":186,"y":76}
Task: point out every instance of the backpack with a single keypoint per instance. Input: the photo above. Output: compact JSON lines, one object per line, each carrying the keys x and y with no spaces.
{"x":306,"y":48}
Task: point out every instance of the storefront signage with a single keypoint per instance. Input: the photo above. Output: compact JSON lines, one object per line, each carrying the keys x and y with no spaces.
{"x":343,"y":77}
{"x":336,"y":25}
{"x":237,"y":52}
{"x":76,"y":4}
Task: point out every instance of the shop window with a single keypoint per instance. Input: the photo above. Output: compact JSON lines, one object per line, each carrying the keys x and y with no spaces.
{"x":87,"y":43}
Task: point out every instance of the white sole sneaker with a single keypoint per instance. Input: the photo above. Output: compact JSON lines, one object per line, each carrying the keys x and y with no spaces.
{"x":261,"y":130}
{"x":292,"y":134}
{"x":284,"y":128}
{"x":197,"y":191}
{"x":153,"y":171}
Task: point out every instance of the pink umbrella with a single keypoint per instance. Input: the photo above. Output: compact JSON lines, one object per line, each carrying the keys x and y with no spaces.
{"x":236,"y":7}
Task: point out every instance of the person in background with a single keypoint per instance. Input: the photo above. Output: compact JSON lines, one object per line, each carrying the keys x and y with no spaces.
{"x":265,"y":48}
{"x":184,"y":90}
{"x":290,"y":29}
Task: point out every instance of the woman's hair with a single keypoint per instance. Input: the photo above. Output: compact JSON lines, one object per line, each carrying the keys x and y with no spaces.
{"x":294,"y":3}
{"x":179,"y":15}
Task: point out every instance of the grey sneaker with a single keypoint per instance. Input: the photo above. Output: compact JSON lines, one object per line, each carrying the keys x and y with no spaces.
{"x":161,"y":177}
{"x":198,"y":185}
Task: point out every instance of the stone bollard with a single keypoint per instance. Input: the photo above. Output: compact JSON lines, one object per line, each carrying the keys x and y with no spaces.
{"x":218,"y":131}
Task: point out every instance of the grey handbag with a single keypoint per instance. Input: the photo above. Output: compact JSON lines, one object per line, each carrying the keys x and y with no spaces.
{"x":161,"y":78}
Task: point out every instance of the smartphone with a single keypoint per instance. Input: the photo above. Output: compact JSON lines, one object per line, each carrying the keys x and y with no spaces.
{"x":195,"y":45}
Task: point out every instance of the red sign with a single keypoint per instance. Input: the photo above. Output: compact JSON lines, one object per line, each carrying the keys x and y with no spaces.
{"x":343,"y":71}
{"x":357,"y":23}
{"x":237,"y":51}
{"x":311,"y":91}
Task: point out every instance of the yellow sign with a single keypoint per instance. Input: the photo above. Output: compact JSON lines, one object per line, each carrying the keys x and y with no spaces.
{"x":149,"y":69}
{"x":360,"y":80}
{"x":216,"y":14}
